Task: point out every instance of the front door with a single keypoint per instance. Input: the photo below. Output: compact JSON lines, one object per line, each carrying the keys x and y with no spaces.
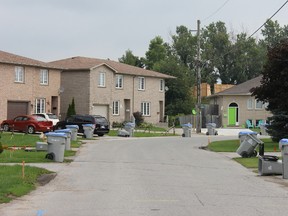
{"x":233,"y":114}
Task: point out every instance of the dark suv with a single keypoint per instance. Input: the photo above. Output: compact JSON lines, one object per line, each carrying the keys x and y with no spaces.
{"x":100,"y":122}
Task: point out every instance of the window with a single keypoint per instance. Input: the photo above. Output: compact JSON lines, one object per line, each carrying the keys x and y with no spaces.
{"x":19,"y":74}
{"x":44,"y":77}
{"x":40,"y":105}
{"x":116,"y":106}
{"x":119,"y":81}
{"x":250,"y":103}
{"x":161,"y":88}
{"x":141,"y":83}
{"x":259,"y":104}
{"x":101,"y":82}
{"x":145,"y":108}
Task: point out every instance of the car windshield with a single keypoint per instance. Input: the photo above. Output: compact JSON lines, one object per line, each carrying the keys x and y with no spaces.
{"x":39,"y":118}
{"x":100,"y":120}
{"x":52,"y":116}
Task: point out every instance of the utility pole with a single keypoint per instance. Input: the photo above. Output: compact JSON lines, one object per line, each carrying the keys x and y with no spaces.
{"x":198,"y":116}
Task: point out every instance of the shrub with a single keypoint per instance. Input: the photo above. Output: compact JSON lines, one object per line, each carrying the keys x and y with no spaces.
{"x":138,"y":118}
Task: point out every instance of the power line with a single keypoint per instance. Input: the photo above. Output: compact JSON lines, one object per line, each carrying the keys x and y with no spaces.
{"x":215,"y":12}
{"x":268,"y":19}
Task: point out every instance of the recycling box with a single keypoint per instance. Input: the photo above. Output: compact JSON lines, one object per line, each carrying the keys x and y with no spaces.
{"x":56,"y":146}
{"x":74,"y":130}
{"x":68,"y":132}
{"x":88,"y":130}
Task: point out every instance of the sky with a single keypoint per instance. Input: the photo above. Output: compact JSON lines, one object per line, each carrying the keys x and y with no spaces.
{"x":49,"y":30}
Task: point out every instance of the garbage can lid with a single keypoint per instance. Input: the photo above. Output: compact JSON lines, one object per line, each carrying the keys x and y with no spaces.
{"x":131,"y":124}
{"x":56,"y":134}
{"x":246,"y":132}
{"x":187,"y":125}
{"x":87,"y":125}
{"x":67,"y":130}
{"x":211,"y":124}
{"x":72,"y":126}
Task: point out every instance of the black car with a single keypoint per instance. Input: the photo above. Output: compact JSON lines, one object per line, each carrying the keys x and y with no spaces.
{"x":100,"y":122}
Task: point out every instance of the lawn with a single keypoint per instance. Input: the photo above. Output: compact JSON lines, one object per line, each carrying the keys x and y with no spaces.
{"x":15,"y":184}
{"x":232,"y":145}
{"x":142,"y":133}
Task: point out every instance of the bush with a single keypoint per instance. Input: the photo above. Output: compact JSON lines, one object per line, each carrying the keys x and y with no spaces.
{"x":138,"y":118}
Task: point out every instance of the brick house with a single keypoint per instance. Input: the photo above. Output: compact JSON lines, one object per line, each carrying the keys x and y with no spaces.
{"x":27,"y":86}
{"x":236,"y":105}
{"x":111,"y":89}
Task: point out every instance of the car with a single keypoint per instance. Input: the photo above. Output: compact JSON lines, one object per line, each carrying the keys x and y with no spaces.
{"x":100,"y":123}
{"x":27,"y":123}
{"x":49,"y":116}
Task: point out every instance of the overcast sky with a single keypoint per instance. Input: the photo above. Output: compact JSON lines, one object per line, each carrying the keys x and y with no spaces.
{"x":49,"y":30}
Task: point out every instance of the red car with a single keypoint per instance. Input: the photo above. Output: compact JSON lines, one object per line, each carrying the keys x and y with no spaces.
{"x":27,"y":123}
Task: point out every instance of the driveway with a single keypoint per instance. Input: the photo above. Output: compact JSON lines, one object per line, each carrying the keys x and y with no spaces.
{"x":167,"y":176}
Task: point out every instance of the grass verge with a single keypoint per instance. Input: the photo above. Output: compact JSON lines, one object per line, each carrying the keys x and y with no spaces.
{"x":14,"y":185}
{"x":144,"y":134}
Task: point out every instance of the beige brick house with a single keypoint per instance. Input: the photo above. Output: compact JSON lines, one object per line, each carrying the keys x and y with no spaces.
{"x":27,"y":86}
{"x":111,"y":89}
{"x":236,"y":105}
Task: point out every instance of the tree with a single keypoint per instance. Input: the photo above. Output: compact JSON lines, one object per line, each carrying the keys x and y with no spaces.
{"x":71,"y":109}
{"x":273,"y":89}
{"x":130,"y":59}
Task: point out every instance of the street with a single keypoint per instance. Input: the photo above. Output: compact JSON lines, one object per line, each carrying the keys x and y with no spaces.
{"x":163,"y":176}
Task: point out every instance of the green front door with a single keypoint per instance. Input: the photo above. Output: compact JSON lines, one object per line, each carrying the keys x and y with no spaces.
{"x":232,"y":115}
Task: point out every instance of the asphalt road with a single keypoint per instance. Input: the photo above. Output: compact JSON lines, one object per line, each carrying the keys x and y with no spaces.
{"x":167,"y":176}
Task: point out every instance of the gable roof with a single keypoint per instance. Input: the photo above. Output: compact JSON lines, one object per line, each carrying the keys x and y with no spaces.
{"x":85,"y":63}
{"x":241,"y":89}
{"x":9,"y":58}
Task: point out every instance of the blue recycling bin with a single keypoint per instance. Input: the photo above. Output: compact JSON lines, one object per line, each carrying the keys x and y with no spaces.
{"x":74,"y":130}
{"x":88,"y":130}
{"x":68,"y":132}
{"x":56,"y":146}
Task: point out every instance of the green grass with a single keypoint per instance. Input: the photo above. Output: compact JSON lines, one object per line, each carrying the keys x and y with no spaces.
{"x":14,"y":185}
{"x":250,"y":163}
{"x":232,"y":145}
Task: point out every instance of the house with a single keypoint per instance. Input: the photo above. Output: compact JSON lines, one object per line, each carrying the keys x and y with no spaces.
{"x":27,"y":86}
{"x":236,"y":105}
{"x":111,"y":89}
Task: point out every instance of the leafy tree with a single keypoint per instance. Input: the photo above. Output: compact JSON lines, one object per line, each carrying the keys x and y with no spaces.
{"x":71,"y":109}
{"x":273,"y":33}
{"x":131,"y":59}
{"x":273,"y":89}
{"x":156,"y":52}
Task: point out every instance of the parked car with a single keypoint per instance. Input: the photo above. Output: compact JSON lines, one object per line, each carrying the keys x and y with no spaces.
{"x":49,"y":116}
{"x":27,"y":123}
{"x":101,"y":124}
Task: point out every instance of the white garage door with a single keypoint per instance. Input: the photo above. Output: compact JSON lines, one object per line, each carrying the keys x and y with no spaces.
{"x":100,"y":110}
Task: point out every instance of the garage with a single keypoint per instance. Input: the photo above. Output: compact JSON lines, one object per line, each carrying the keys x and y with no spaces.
{"x":15,"y":108}
{"x":100,"y":110}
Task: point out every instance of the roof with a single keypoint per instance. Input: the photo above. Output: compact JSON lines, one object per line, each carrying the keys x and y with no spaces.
{"x":9,"y":58}
{"x":85,"y":63}
{"x":241,"y":89}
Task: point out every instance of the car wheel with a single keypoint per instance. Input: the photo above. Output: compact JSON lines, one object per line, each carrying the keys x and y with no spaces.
{"x":100,"y":134}
{"x":30,"y":130}
{"x":6,"y":127}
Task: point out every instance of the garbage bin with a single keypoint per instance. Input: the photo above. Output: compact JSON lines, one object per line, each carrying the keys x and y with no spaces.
{"x":129,"y":127}
{"x":283,"y":145}
{"x":242,"y":135}
{"x":56,"y":146}
{"x":68,"y":133}
{"x":74,"y":130}
{"x":211,"y":129}
{"x":187,"y":128}
{"x":269,"y":165}
{"x":88,"y":130}
{"x":263,"y":129}
{"x":248,"y":145}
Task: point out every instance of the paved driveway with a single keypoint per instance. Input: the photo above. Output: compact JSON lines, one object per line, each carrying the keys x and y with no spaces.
{"x":152,"y":176}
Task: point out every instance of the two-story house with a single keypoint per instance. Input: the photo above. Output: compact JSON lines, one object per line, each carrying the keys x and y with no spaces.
{"x":237,"y":105}
{"x":111,"y":89}
{"x":27,"y":86}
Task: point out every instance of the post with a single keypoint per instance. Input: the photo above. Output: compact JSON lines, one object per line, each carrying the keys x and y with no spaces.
{"x":198,"y":117}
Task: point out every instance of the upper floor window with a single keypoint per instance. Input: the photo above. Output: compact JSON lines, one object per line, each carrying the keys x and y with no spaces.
{"x":141,"y":85}
{"x":250,"y":103}
{"x":101,"y":81}
{"x":259,"y":104}
{"x":162,"y":85}
{"x":40,"y":105}
{"x":119,"y":81}
{"x":145,"y":108}
{"x":116,"y":106}
{"x":19,"y":74}
{"x":44,"y":77}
